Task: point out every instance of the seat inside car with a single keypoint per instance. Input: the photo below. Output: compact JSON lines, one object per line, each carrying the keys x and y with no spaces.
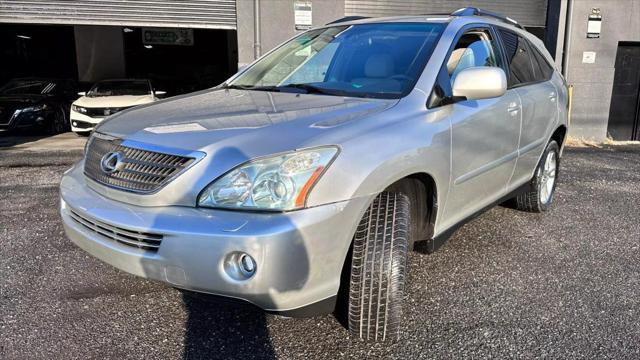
{"x":472,"y":50}
{"x":378,"y":68}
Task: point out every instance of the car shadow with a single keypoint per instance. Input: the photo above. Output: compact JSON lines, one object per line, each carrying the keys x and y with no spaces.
{"x":8,"y":140}
{"x":219,"y":329}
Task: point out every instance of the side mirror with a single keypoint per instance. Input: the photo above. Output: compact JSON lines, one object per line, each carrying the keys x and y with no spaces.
{"x":159,"y":92}
{"x":82,"y":93}
{"x":481,"y":82}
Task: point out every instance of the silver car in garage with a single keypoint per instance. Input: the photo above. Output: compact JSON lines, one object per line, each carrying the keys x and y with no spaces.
{"x":300,"y":184}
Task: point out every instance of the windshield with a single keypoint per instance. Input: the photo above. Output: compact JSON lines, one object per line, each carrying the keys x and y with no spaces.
{"x":27,"y":87}
{"x":120,"y":87}
{"x":368,"y":60}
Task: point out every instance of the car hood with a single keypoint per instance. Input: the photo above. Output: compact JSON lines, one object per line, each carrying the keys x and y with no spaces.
{"x":252,"y":122}
{"x":113,"y":101}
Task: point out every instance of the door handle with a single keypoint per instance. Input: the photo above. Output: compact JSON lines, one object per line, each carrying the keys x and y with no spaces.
{"x":552,"y":96}
{"x":513,"y":108}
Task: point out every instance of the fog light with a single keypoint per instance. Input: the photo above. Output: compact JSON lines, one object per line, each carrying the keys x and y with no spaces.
{"x":247,"y":264}
{"x":239,"y":266}
{"x":75,"y":123}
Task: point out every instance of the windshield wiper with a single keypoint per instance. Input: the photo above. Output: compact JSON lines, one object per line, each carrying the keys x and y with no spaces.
{"x":312,"y":89}
{"x":307,"y":88}
{"x":249,"y":87}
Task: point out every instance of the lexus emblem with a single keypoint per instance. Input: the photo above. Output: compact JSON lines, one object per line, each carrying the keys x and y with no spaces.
{"x":112,"y":162}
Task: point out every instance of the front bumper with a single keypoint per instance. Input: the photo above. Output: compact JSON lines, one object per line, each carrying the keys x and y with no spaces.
{"x":83,"y":123}
{"x":24,"y":120}
{"x":299,"y":254}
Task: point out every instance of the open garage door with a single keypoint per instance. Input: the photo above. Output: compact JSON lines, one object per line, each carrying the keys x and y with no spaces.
{"x":204,"y":14}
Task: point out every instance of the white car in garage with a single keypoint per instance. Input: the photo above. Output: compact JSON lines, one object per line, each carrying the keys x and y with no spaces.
{"x":106,"y":98}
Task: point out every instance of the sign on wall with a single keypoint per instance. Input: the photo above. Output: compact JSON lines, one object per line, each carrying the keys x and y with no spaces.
{"x":594,"y":24}
{"x":588,"y":57}
{"x":155,"y":36}
{"x":302,"y":14}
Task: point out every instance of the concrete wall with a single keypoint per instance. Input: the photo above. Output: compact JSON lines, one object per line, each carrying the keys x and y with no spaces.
{"x":277,"y":23}
{"x":593,"y":82}
{"x":99,"y":52}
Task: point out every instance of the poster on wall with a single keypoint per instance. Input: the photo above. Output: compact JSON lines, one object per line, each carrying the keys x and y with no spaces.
{"x":302,"y":14}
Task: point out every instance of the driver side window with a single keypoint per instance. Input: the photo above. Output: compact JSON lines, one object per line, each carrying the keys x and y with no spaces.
{"x":474,"y":48}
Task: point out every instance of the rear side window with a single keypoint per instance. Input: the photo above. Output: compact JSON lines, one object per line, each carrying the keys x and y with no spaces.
{"x":544,"y":70}
{"x":518,"y":58}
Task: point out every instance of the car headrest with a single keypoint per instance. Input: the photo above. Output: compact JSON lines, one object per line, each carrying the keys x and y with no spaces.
{"x":454,"y":59}
{"x":379,"y":66}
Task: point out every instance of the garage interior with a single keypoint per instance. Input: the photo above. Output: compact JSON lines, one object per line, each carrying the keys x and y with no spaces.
{"x":176,"y":60}
{"x":180,"y":46}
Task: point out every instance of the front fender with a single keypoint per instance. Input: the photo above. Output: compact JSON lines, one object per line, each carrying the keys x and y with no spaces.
{"x":370,"y":162}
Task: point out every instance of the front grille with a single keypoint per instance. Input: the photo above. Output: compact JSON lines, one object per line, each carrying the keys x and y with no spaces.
{"x":137,"y":239}
{"x":143,"y":171}
{"x":102,"y":112}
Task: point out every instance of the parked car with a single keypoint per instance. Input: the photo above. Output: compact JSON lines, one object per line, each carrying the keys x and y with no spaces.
{"x":301,"y":183}
{"x":106,"y":98}
{"x":35,"y":104}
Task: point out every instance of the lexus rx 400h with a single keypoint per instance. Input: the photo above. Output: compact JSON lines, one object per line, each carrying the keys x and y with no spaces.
{"x":300,"y":184}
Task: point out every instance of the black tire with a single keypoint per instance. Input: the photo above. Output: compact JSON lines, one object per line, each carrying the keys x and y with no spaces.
{"x":378,"y":267}
{"x":57,"y":125}
{"x":533,"y":200}
{"x":83,"y":133}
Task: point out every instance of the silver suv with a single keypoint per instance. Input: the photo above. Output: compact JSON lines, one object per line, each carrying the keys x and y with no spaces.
{"x":300,"y":184}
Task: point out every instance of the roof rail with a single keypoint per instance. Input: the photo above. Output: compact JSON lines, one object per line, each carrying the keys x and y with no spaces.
{"x":471,"y":11}
{"x":347,"y":18}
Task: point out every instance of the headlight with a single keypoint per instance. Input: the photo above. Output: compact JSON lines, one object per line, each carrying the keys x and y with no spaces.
{"x":35,"y":108}
{"x":79,"y":109}
{"x":280,"y":182}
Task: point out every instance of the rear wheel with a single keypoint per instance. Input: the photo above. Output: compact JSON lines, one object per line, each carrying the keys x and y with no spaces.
{"x":378,"y":267}
{"x":543,"y":184}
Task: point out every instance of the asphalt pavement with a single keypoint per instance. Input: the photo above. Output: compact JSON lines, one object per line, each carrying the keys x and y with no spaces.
{"x":509,"y":284}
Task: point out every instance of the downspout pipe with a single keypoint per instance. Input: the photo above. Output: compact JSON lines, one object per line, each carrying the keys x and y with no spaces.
{"x":567,"y":39}
{"x":257,"y":48}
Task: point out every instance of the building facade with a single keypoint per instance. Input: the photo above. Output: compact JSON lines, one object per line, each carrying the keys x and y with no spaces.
{"x":193,"y":44}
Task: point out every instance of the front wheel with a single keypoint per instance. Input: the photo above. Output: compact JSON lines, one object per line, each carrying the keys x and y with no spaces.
{"x":543,"y":184}
{"x":57,"y":124}
{"x":378,"y":267}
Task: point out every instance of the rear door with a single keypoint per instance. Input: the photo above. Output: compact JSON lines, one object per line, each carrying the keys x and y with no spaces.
{"x":529,"y":76}
{"x":484,"y":132}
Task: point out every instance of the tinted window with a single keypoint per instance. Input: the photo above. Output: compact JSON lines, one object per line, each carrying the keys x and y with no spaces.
{"x":519,"y":59}
{"x":544,"y":71}
{"x":27,"y":87}
{"x":367,"y":60}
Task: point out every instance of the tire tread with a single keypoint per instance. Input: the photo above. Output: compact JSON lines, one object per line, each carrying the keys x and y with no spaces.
{"x":378,"y":268}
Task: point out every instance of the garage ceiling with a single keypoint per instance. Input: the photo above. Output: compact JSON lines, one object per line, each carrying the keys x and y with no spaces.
{"x":207,"y":14}
{"x":526,"y":12}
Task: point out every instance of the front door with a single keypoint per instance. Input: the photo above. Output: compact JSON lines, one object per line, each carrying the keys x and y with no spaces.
{"x":484,"y":133}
